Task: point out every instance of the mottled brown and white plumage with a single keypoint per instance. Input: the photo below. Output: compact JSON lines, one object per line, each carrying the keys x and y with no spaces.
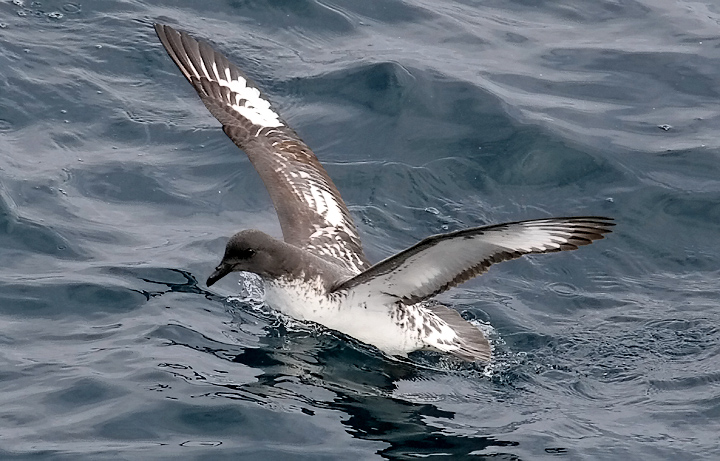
{"x":319,"y":272}
{"x":312,"y":214}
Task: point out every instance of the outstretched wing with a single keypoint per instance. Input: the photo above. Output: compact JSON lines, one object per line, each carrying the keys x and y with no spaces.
{"x":443,"y":261}
{"x":312,"y":214}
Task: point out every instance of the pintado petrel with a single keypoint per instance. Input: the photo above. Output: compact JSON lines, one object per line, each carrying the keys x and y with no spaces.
{"x":319,"y":272}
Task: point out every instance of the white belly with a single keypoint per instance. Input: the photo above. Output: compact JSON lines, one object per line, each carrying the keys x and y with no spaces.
{"x":375,"y":325}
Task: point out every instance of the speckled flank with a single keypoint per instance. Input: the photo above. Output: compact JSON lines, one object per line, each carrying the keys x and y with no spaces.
{"x":396,"y":329}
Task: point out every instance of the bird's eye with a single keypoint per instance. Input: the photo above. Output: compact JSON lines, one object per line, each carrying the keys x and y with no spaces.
{"x":249,"y":253}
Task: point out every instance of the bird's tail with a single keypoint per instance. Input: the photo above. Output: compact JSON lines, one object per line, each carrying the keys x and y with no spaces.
{"x":468,"y":342}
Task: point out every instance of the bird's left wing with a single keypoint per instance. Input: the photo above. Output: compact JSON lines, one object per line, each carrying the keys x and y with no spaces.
{"x":443,"y":261}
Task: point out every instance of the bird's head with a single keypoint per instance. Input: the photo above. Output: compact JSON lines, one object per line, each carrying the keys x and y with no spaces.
{"x":249,"y":251}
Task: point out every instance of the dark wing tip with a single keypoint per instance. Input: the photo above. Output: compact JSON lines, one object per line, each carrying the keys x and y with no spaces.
{"x":166,"y":33}
{"x":171,"y":40}
{"x":588,"y":229}
{"x":583,"y":230}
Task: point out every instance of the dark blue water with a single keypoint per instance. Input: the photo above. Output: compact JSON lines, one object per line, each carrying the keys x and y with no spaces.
{"x":118,"y":191}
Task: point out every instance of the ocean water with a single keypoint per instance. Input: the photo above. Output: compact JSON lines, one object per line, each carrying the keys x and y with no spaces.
{"x":118,"y":191}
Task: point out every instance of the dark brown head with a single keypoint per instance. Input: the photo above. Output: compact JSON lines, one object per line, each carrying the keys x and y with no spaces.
{"x":251,"y":251}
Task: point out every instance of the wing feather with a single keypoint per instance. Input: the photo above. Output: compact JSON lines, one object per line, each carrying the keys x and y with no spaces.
{"x":443,"y":261}
{"x":312,"y":214}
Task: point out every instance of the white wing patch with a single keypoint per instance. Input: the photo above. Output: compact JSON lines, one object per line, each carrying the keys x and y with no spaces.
{"x":532,"y":237}
{"x":248,"y":101}
{"x":327,"y":240}
{"x":331,"y":239}
{"x":330,"y":242}
{"x":327,"y":207}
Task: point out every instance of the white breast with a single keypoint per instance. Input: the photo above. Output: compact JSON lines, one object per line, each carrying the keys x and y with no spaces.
{"x":370,"y":324}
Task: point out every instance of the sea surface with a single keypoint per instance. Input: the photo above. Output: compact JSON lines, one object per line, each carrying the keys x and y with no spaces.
{"x":118,"y":191}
